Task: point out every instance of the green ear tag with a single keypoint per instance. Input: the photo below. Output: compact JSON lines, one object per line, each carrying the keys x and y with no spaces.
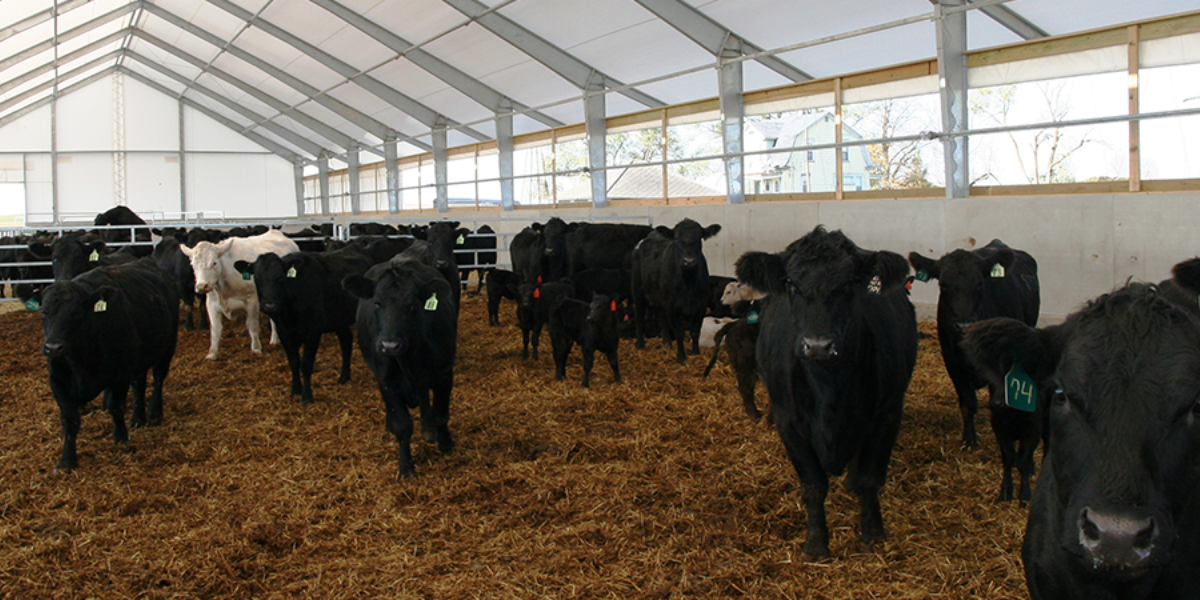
{"x":752,"y":317}
{"x":997,"y":270}
{"x":922,"y":275}
{"x":461,"y":240}
{"x":245,"y":277}
{"x":1020,"y":392}
{"x":291,"y":272}
{"x":32,"y":304}
{"x":431,"y":303}
{"x":94,"y":256}
{"x":100,"y":306}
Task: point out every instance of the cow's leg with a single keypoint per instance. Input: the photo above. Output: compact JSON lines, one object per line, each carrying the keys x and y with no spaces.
{"x":866,"y":474}
{"x":254,"y":327}
{"x":493,"y":308}
{"x":612,"y":362}
{"x":309,"y":358}
{"x":695,"y":331}
{"x":138,"y":419}
{"x":589,"y":360}
{"x":346,"y":342}
{"x":202,"y":302}
{"x":69,"y":419}
{"x":1030,"y":437}
{"x":291,"y":349}
{"x":968,"y":405}
{"x":560,"y":346}
{"x":399,"y":422}
{"x":215,"y":324}
{"x":680,"y":326}
{"x":814,"y":486}
{"x":639,"y":315}
{"x":274,"y":332}
{"x":154,"y":410}
{"x":117,"y":410}
{"x":1001,"y":425}
{"x":443,"y":383}
{"x":535,"y":336}
{"x":189,"y":322}
{"x":746,"y":380}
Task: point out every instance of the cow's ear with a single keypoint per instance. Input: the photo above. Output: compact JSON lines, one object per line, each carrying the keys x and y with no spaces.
{"x":95,"y":246}
{"x":573,"y":226}
{"x":1003,"y":257}
{"x":763,"y":272}
{"x":920,"y":262}
{"x":463,"y":231}
{"x":40,"y":249}
{"x":224,"y":245}
{"x":157,"y":231}
{"x":665,"y":231}
{"x":889,"y":267}
{"x":1187,"y":275}
{"x":187,"y":251}
{"x":104,"y":292}
{"x":710,"y":231}
{"x":536,"y":226}
{"x":994,"y":345}
{"x":359,"y":286}
{"x":243,"y":267}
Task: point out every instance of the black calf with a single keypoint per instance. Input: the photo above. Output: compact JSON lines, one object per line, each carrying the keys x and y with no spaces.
{"x":592,"y":325}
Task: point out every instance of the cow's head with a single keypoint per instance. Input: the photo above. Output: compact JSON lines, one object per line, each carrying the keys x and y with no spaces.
{"x":602,"y":310}
{"x":555,"y":233}
{"x":688,"y":236}
{"x":71,"y":256}
{"x":401,"y":298}
{"x":442,"y":237}
{"x":276,"y":279}
{"x":964,"y":281}
{"x":820,"y":281}
{"x":68,"y":311}
{"x":206,"y":263}
{"x":1124,"y":417}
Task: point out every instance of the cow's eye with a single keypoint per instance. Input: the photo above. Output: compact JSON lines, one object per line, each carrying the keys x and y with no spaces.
{"x":1059,"y":398}
{"x":791,"y":286}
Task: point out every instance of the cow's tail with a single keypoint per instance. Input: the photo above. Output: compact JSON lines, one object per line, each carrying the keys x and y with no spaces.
{"x":718,"y":339}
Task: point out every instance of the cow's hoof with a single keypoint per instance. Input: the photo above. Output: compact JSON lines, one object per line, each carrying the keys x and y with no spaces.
{"x":343,"y":380}
{"x":816,"y":549}
{"x":429,"y":436}
{"x":64,"y":466}
{"x":870,"y":546}
{"x":211,"y":356}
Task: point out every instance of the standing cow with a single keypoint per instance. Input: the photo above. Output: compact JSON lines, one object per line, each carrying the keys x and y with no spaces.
{"x":557,"y":262}
{"x":992,"y":281}
{"x":172,"y":260}
{"x":302,"y":293}
{"x":102,"y":332}
{"x":122,"y":215}
{"x":1116,"y":512}
{"x":603,"y":245}
{"x":670,"y":273}
{"x":528,"y":253}
{"x":836,"y":350}
{"x":227,"y":291}
{"x":407,"y":332}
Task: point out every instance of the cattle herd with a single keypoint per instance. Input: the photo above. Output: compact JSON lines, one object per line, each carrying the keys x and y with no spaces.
{"x":827,"y":326}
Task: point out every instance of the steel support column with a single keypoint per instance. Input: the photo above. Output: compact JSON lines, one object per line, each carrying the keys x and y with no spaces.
{"x":392,"y":168}
{"x":505,"y":146}
{"x":440,"y":157}
{"x":952,"y":83}
{"x":733,"y":112}
{"x":298,"y":177}
{"x":597,"y":138}
{"x":323,"y":178}
{"x":183,"y":205}
{"x":353,"y":174}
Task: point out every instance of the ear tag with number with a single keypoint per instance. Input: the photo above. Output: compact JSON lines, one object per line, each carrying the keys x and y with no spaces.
{"x":613,"y":306}
{"x":245,"y":276}
{"x":32,"y":304}
{"x":875,"y":286}
{"x":461,"y":239}
{"x":997,"y":270}
{"x":431,"y":303}
{"x":291,"y":273}
{"x":922,"y":275}
{"x":100,"y":306}
{"x":1020,"y":392}
{"x":752,"y":317}
{"x":94,"y":256}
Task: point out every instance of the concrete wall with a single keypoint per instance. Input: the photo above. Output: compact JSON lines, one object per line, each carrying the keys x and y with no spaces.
{"x":1084,"y":245}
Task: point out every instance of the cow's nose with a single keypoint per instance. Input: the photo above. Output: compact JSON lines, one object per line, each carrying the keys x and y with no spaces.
{"x":203,"y":288}
{"x":689,"y":262}
{"x":52,"y":349}
{"x":1116,"y":541}
{"x":389,"y":348}
{"x":442,"y":264}
{"x":269,"y":307}
{"x":818,"y":348}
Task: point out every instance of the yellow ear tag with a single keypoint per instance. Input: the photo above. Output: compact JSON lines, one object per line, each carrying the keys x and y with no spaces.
{"x":461,"y":239}
{"x":431,"y":303}
{"x":875,"y":286}
{"x":291,"y":272}
{"x":997,"y":270}
{"x":100,"y":306}
{"x":95,"y":256}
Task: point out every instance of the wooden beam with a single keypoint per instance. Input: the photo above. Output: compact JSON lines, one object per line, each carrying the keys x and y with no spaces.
{"x":1135,"y":140}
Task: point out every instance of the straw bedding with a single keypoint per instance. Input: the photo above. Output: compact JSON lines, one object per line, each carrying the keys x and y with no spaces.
{"x":655,"y":488}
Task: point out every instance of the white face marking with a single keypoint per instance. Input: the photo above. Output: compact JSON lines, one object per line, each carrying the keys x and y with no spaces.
{"x":206,"y":265}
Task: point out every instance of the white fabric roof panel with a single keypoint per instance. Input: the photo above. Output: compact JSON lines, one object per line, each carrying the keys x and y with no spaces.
{"x":1068,"y":16}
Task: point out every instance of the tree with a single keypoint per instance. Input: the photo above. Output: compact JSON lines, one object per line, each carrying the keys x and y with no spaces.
{"x":897,"y":165}
{"x":1042,"y":155}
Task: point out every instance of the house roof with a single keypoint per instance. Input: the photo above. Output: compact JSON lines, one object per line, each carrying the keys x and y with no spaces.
{"x":640,"y":182}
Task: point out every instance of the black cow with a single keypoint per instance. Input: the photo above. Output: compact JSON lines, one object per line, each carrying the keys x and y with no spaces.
{"x":407,"y":332}
{"x":359,"y":229}
{"x":171,"y":259}
{"x":480,"y":256}
{"x":670,"y":273}
{"x":528,"y":253}
{"x":613,"y":283}
{"x":435,"y":256}
{"x":73,"y":255}
{"x":836,"y":350}
{"x":992,"y":281}
{"x":593,"y":325}
{"x":1116,"y":512}
{"x":122,"y":215}
{"x":31,"y":293}
{"x":102,"y":332}
{"x":501,"y":283}
{"x":533,"y":310}
{"x":554,"y":232}
{"x":442,"y":237}
{"x":309,"y":239}
{"x":379,"y":248}
{"x":603,"y":245}
{"x":302,"y":293}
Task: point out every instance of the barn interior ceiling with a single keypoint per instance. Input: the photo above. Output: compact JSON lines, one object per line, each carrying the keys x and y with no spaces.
{"x":324,"y":77}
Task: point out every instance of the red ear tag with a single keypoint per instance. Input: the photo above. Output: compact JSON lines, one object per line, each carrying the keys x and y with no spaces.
{"x":908,"y":284}
{"x":537,"y":292}
{"x":539,"y":278}
{"x":613,"y":306}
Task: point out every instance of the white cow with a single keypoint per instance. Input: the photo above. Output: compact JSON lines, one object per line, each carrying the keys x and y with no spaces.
{"x":227,"y":290}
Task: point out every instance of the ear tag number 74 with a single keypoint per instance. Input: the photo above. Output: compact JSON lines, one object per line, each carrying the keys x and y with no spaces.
{"x":1020,"y":392}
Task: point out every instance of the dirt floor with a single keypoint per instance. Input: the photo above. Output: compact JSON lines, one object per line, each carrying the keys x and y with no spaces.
{"x":655,"y":488}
